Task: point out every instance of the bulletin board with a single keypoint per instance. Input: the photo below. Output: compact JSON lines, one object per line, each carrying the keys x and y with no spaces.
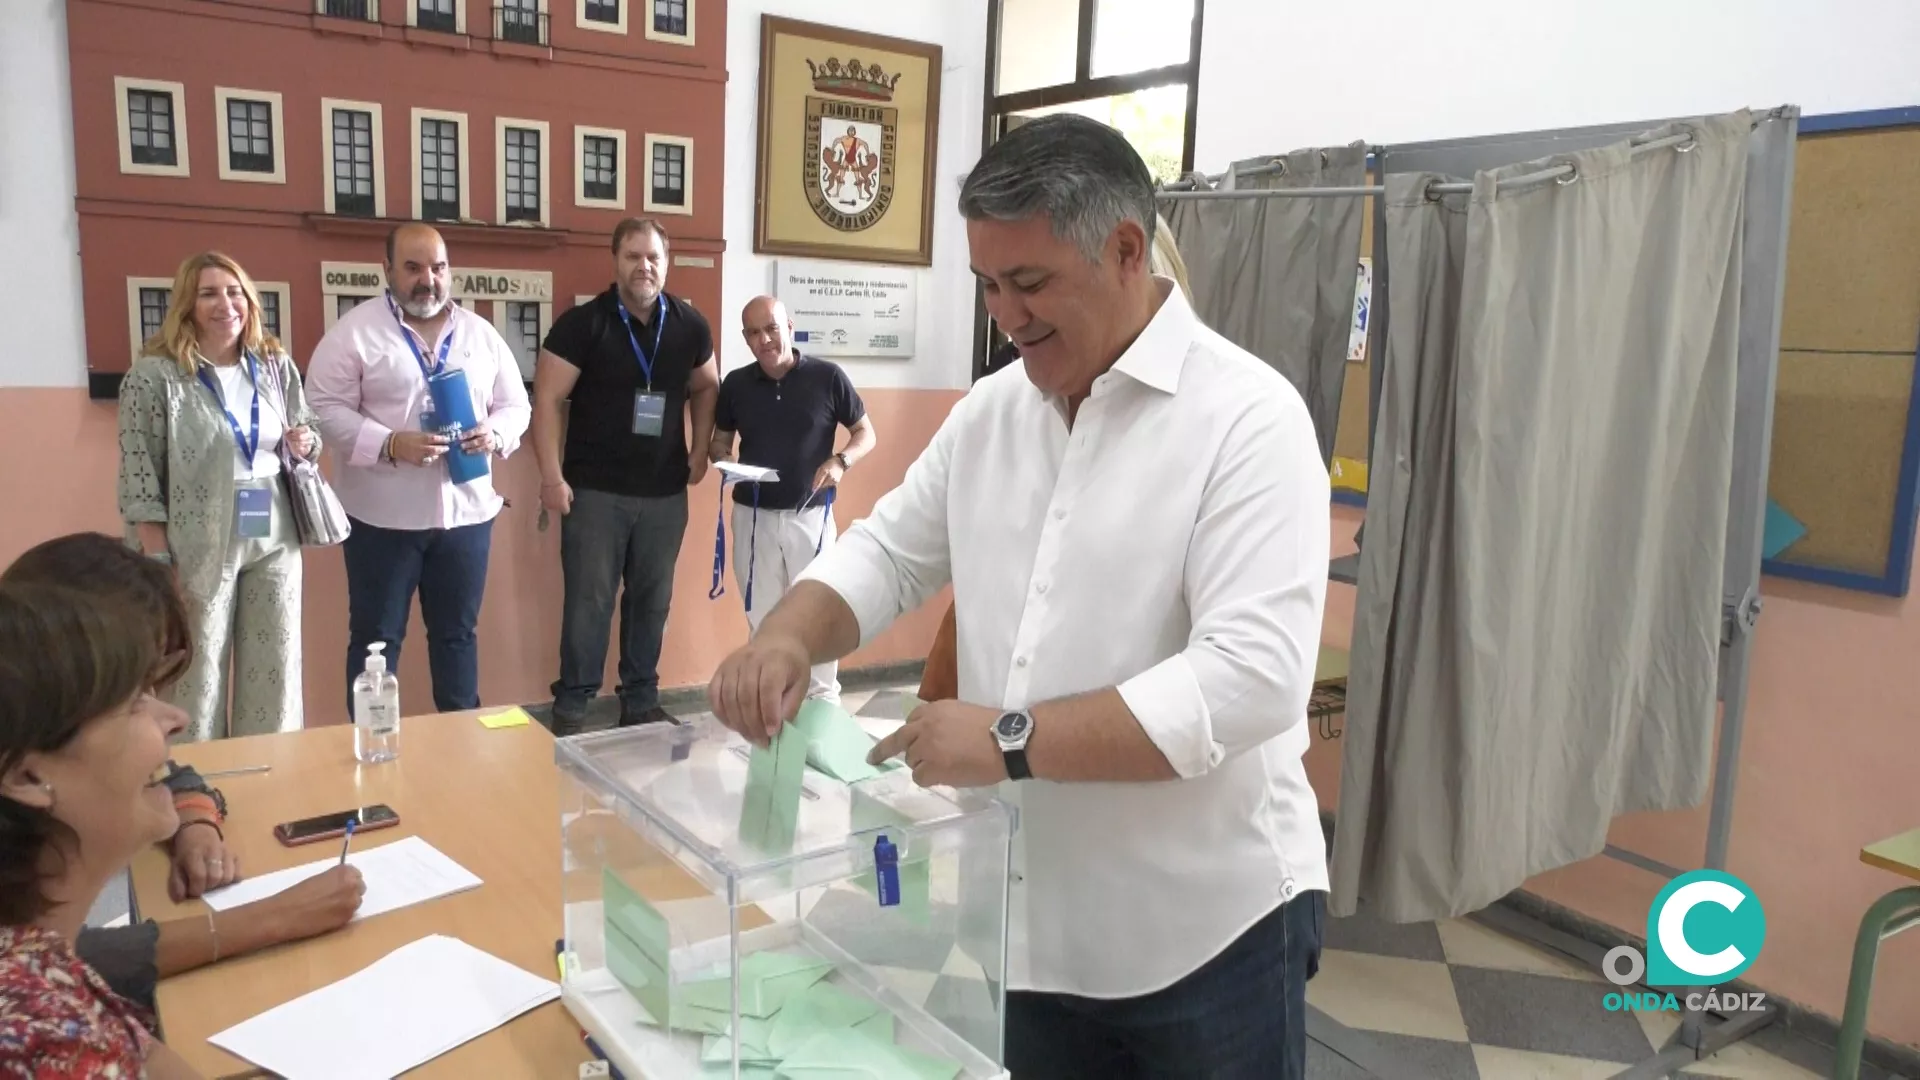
{"x":1846,"y":434}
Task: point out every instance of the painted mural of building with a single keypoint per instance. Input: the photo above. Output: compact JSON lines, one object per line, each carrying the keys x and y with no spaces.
{"x":293,"y":134}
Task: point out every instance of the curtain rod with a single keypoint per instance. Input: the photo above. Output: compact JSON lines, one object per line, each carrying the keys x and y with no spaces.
{"x":1681,"y":142}
{"x":1778,"y":112}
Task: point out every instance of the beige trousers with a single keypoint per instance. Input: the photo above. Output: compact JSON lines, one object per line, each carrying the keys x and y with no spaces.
{"x":245,"y":675}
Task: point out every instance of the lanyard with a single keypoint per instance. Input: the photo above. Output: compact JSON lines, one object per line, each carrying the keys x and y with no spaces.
{"x":719,"y":587}
{"x":659,"y":325}
{"x":440,"y":362}
{"x":248,"y":447}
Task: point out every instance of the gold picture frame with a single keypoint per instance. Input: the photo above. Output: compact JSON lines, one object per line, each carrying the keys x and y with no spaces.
{"x":849,"y":126}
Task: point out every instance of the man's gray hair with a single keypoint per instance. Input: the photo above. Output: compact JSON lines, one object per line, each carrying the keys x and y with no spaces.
{"x":1081,"y":174}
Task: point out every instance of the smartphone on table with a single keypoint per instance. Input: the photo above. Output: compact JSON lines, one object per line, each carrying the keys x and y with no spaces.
{"x":333,"y":826}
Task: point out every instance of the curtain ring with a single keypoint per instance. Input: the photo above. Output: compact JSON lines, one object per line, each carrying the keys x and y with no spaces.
{"x":1323,"y":159}
{"x":1279,"y":166}
{"x":1573,"y":174}
{"x":1427,"y":192}
{"x":1692,"y":143}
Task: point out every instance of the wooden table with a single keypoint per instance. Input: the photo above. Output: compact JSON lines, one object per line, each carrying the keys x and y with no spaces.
{"x":488,"y":798}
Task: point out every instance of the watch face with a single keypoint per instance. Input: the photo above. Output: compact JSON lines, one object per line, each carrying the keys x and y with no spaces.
{"x":1012,"y":725}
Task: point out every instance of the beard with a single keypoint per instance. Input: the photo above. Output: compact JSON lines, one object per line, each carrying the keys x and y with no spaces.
{"x":423,"y":305}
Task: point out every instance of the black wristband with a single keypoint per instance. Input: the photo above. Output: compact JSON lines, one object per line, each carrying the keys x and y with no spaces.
{"x":1017,"y":768}
{"x":208,"y":822}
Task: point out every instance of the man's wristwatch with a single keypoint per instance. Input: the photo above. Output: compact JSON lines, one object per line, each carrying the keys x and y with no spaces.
{"x":842,"y":459}
{"x":1012,"y":731}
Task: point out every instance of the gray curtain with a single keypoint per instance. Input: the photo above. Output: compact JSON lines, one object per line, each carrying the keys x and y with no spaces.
{"x":1536,"y":633}
{"x":1275,"y":276}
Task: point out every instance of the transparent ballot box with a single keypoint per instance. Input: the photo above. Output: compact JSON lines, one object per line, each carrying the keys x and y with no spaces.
{"x":709,"y":935}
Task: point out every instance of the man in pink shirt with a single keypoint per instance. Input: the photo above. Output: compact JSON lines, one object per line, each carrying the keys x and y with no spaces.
{"x":413,"y":526}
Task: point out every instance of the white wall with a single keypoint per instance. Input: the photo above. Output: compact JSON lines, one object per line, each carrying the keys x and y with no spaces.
{"x":1279,"y":76}
{"x":944,"y":336}
{"x":39,"y":231}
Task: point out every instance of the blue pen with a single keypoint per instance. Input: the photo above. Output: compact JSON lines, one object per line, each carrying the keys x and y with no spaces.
{"x":351,"y":822}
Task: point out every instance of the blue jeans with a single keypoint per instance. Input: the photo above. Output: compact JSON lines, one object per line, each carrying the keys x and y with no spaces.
{"x":607,"y":542}
{"x":449,"y":568}
{"x":1241,"y":1016}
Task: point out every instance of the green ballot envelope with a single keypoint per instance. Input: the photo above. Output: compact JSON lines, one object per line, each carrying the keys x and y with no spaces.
{"x":770,"y":810}
{"x":836,"y":743}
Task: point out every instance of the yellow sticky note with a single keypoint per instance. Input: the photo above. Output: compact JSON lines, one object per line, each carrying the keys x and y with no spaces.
{"x":514,"y":717}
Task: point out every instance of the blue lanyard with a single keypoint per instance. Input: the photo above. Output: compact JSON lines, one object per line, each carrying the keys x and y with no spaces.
{"x":440,"y":362}
{"x":248,"y":447}
{"x":719,"y":587}
{"x":659,"y":325}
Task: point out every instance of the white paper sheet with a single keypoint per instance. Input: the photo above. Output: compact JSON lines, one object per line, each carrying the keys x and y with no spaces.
{"x":408,"y":871}
{"x":403,"y":1010}
{"x":733,"y":472}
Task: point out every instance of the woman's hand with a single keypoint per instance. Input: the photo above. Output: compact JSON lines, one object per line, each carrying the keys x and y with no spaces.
{"x":201,"y":862}
{"x":323,"y":902}
{"x":300,"y":441}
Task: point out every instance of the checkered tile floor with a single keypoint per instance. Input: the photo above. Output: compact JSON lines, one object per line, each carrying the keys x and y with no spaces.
{"x":1456,"y":999}
{"x":1453,"y":1000}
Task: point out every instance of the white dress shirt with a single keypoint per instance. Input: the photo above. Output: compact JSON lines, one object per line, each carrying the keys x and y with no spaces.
{"x":365,"y":383}
{"x":1174,"y":544}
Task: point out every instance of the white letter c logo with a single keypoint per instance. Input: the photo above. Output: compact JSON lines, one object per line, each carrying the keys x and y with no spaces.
{"x":1673,"y":935}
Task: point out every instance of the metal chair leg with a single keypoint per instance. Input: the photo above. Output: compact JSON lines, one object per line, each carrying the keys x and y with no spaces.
{"x":1889,"y":915}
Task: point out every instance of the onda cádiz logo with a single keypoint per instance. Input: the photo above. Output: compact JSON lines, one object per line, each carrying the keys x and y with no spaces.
{"x":1704,"y":928}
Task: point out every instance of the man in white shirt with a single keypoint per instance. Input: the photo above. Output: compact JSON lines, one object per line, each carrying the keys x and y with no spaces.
{"x":1134,"y":518}
{"x":414,"y":527}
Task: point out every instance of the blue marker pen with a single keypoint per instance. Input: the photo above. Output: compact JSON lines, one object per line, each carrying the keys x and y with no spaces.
{"x":351,"y":822}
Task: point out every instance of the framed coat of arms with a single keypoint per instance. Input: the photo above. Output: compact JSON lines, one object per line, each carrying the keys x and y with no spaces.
{"x":848,"y":125}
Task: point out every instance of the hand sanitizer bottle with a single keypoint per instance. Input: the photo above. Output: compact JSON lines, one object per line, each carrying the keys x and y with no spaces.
{"x":376,"y":709}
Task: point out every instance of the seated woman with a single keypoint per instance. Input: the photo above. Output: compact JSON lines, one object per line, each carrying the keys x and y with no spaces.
{"x":83,"y":760}
{"x":133,"y":958}
{"x":107,"y":567}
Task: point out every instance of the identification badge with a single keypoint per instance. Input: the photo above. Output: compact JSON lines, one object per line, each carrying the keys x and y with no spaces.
{"x":253,"y":512}
{"x":649,"y":413}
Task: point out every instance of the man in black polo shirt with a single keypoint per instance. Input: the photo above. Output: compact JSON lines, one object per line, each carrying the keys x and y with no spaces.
{"x":631,"y":365}
{"x":787,"y":410}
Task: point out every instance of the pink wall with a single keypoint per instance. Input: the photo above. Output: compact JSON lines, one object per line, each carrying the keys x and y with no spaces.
{"x":58,"y":458}
{"x":1830,"y":763}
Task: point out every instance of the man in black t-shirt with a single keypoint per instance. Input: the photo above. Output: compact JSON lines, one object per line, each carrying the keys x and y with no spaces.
{"x":635,"y":368}
{"x":788,"y":410}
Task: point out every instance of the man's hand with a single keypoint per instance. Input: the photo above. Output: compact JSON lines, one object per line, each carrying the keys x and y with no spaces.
{"x":947,"y":742}
{"x":418,"y":447}
{"x":557,"y":497}
{"x":696,"y":469}
{"x":760,"y":687}
{"x":201,"y":862}
{"x":323,"y":902}
{"x":478,"y":439}
{"x":829,"y":474}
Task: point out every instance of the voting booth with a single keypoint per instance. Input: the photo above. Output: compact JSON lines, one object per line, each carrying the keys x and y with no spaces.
{"x":740,"y":912}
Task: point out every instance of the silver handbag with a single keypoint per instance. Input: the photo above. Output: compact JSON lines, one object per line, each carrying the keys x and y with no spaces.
{"x":317,"y":514}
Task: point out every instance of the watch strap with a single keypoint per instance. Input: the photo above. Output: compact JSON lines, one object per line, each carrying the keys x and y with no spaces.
{"x":1017,"y":768}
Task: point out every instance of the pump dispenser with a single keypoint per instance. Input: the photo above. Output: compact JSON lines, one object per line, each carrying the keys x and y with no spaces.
{"x":376,"y":709}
